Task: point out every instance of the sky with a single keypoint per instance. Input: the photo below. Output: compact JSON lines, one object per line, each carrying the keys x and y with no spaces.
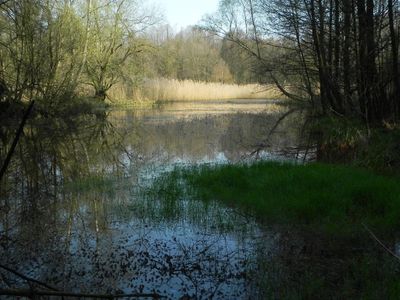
{"x":181,"y":13}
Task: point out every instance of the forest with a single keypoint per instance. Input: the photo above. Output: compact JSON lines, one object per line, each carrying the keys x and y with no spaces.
{"x":254,"y":154}
{"x":340,"y":56}
{"x":56,"y":50}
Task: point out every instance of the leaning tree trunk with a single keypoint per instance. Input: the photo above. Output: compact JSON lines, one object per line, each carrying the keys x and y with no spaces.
{"x":395,"y":61}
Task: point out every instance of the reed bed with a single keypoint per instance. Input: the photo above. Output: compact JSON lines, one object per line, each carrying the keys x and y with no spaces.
{"x":162,"y":89}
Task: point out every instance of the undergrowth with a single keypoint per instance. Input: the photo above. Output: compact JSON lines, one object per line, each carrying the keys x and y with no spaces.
{"x":349,"y":141}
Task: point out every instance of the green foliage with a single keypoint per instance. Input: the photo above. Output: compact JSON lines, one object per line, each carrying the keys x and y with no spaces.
{"x":111,"y":43}
{"x":52,"y":50}
{"x":238,"y":61}
{"x":327,"y":198}
{"x":38,"y":50}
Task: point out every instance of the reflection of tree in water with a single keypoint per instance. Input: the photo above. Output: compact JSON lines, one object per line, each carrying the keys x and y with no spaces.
{"x":246,"y":132}
{"x":94,"y":241}
{"x":232,"y":135}
{"x":35,"y":212}
{"x":75,"y":218}
{"x":55,"y":151}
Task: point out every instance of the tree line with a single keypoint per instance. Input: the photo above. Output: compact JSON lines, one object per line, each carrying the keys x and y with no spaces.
{"x":49,"y":47}
{"x":342,"y":56}
{"x":55,"y":49}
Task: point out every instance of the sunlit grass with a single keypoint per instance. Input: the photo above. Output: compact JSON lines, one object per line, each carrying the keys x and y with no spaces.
{"x":188,"y":90}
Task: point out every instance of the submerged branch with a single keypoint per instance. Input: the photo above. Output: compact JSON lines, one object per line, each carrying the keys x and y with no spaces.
{"x":265,"y":143}
{"x":33,"y":293}
{"x":380,"y":242}
{"x":27,"y":278}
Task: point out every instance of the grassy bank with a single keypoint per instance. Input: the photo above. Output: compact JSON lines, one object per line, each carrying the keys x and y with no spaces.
{"x":327,"y":198}
{"x":351,"y":142}
{"x":188,"y":90}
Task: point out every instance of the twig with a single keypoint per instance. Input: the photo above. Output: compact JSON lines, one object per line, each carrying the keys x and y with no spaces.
{"x":380,"y":242}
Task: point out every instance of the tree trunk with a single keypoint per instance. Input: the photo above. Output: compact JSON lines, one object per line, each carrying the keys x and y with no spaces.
{"x":346,"y":53}
{"x":363,"y":92}
{"x":395,"y":61}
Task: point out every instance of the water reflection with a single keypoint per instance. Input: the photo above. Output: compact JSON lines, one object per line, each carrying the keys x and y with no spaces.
{"x":73,"y":212}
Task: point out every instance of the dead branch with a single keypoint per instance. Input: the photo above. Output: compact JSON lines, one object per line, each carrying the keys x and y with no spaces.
{"x":34,"y":293}
{"x":380,"y":242}
{"x":27,"y":278}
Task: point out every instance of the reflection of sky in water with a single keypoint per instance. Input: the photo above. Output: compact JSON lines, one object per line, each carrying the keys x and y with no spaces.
{"x":170,"y":259}
{"x":105,"y":236}
{"x":192,"y":137}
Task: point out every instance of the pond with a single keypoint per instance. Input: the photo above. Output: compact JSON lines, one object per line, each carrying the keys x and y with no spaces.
{"x":75,"y":211}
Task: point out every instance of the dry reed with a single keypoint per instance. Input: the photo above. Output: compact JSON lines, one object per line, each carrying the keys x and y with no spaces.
{"x":162,"y":89}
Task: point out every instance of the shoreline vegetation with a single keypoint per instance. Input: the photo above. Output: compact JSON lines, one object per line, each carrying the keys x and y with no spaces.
{"x":349,"y":142}
{"x":330,"y":199}
{"x":336,"y":224}
{"x":161,"y":90}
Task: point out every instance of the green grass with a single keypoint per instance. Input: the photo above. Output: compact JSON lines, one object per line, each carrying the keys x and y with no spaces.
{"x":320,"y":209}
{"x":329,"y":198}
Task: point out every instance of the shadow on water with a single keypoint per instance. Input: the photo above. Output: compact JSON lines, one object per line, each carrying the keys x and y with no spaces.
{"x":74,"y":212}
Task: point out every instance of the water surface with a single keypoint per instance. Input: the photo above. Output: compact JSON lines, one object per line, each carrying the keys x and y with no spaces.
{"x":74,"y":211}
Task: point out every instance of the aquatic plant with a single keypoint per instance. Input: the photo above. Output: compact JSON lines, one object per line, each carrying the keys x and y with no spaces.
{"x":327,"y":198}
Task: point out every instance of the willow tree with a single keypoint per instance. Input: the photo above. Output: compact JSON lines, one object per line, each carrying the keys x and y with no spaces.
{"x":49,"y":48}
{"x":39,"y":44}
{"x":113,"y":42}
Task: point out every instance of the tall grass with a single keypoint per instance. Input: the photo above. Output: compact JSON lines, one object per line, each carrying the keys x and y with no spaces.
{"x":162,"y":89}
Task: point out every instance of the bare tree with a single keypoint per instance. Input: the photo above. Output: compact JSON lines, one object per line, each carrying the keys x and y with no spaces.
{"x":337,"y":50}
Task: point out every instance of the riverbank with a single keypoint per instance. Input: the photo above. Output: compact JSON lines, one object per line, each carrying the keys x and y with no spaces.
{"x":351,"y":142}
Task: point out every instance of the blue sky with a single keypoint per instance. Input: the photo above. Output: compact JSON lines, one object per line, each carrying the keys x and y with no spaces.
{"x":181,"y":13}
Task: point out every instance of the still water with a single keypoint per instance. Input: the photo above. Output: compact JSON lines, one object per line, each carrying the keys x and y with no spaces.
{"x":75,"y":212}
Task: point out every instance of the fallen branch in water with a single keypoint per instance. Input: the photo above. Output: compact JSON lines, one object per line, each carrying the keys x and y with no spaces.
{"x":55,"y":292}
{"x":380,"y":242}
{"x":266,"y":143}
{"x":28,"y":278}
{"x":35,"y":293}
